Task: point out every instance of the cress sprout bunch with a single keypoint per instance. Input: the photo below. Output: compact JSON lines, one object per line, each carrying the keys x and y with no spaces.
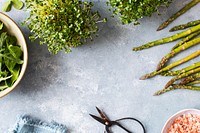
{"x":61,"y":24}
{"x":131,"y":10}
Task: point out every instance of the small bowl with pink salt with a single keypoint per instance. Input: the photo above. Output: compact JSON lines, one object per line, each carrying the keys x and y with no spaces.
{"x":184,"y":121}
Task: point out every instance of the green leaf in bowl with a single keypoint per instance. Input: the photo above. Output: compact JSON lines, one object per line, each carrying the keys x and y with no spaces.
{"x":1,"y":25}
{"x":15,"y":51}
{"x":5,"y":78}
{"x":15,"y":73}
{"x":3,"y":87}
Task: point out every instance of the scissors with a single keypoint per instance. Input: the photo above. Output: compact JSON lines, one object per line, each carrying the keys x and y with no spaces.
{"x":103,"y":119}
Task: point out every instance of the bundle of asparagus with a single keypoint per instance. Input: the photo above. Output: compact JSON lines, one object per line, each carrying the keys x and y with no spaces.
{"x":188,"y":77}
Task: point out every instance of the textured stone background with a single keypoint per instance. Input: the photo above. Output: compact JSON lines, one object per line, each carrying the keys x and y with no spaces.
{"x":104,"y":73}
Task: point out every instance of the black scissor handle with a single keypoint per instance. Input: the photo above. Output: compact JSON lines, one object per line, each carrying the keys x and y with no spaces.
{"x":130,"y":118}
{"x":112,"y":123}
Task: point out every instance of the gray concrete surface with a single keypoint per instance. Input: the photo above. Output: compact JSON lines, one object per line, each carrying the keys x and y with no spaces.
{"x":103,"y":73}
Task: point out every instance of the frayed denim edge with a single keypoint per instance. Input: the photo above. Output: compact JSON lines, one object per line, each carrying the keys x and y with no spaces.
{"x":26,"y":119}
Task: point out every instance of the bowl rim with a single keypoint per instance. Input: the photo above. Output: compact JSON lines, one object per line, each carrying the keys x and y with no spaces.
{"x":25,"y":59}
{"x":177,"y":114}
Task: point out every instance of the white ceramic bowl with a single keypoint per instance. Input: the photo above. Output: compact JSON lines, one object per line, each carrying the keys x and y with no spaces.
{"x":14,"y":30}
{"x":172,"y":118}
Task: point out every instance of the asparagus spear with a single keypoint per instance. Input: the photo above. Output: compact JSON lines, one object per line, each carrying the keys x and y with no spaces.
{"x":175,"y":86}
{"x":182,"y":76}
{"x":189,"y":37}
{"x":191,"y":56}
{"x":190,"y":79}
{"x":186,"y":45}
{"x":163,"y":91}
{"x":184,"y":26}
{"x":194,"y":82}
{"x":168,"y":39}
{"x":179,"y":13}
{"x":178,"y":72}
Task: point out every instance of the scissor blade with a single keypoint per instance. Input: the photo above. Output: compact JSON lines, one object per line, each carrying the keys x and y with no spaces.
{"x":98,"y":119}
{"x":102,"y":114}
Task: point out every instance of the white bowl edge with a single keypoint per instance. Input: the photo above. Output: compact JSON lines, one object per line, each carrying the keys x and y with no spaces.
{"x":173,"y":117}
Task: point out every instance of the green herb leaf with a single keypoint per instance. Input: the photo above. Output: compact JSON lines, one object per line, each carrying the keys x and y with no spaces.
{"x":11,"y":40}
{"x":11,"y":58}
{"x":1,"y":25}
{"x":9,"y":64}
{"x":18,"y":4}
{"x":3,"y":87}
{"x":5,"y":78}
{"x":15,"y":73}
{"x":15,"y":51}
{"x":7,"y":6}
{"x":3,"y":38}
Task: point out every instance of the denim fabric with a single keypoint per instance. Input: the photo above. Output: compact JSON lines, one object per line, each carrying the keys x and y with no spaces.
{"x":27,"y":124}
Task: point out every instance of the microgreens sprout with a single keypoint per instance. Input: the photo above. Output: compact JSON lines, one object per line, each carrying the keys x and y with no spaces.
{"x":131,"y":10}
{"x":61,"y":24}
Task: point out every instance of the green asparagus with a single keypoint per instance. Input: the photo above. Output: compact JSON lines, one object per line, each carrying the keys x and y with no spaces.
{"x":168,"y":39}
{"x":191,"y":56}
{"x":186,"y":45}
{"x":188,"y":38}
{"x":178,"y":72}
{"x":175,"y":86}
{"x":194,"y":82}
{"x":190,"y":79}
{"x":184,"y":26}
{"x":179,"y":13}
{"x":182,"y":76}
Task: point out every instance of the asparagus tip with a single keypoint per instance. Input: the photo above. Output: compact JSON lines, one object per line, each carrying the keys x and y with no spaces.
{"x":159,"y":92}
{"x":158,"y":67}
{"x":167,"y":85}
{"x":144,"y":77}
{"x":135,"y":49}
{"x":156,"y":94}
{"x":159,"y":28}
{"x":162,"y":26}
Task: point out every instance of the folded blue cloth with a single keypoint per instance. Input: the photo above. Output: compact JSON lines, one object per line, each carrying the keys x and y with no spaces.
{"x":28,"y":124}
